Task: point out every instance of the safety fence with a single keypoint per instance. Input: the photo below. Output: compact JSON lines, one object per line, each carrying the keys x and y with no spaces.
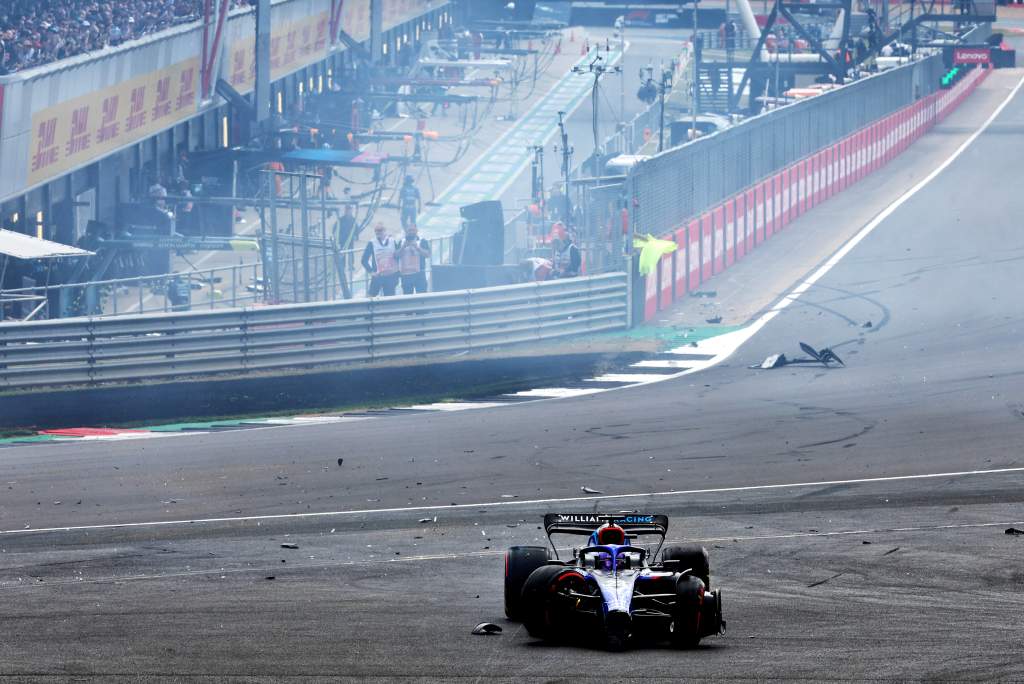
{"x":683,"y":182}
{"x":331,"y":275}
{"x":89,"y":351}
{"x":711,"y":241}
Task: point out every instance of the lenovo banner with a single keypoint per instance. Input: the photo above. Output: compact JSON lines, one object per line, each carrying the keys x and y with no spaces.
{"x":972,"y":56}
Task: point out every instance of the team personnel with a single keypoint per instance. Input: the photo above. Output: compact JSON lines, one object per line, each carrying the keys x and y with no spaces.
{"x":409,"y":202}
{"x":380,"y":259}
{"x":568,"y":259}
{"x":413,"y":253}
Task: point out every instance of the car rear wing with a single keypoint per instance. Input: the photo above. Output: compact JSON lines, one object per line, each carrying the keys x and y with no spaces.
{"x":585,"y":523}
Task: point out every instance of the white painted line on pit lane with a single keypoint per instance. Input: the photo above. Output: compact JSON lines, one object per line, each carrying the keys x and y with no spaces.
{"x":525,"y":502}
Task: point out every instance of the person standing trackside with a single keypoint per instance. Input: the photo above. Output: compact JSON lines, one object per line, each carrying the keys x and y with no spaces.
{"x":568,"y":259}
{"x":409,"y":202}
{"x":412,"y":261}
{"x":380,"y":260}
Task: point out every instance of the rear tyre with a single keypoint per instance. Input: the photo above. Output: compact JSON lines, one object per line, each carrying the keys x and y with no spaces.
{"x":687,"y":630}
{"x":693,"y":556}
{"x":520,"y":562}
{"x":546,"y":611}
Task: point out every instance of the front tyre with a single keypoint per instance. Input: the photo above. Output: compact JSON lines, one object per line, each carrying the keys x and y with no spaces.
{"x":547,"y":606}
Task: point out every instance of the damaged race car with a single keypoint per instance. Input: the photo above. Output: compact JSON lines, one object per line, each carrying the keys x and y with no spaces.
{"x":612,"y":589}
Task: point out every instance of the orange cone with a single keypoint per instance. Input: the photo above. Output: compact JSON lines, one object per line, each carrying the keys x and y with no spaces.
{"x":585,"y":48}
{"x":558,"y":47}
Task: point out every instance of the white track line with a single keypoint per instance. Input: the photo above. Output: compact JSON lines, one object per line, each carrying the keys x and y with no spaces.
{"x":527,"y":502}
{"x":464,"y":555}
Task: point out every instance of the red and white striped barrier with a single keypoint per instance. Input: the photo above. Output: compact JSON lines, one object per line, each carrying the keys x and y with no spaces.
{"x":726,"y":233}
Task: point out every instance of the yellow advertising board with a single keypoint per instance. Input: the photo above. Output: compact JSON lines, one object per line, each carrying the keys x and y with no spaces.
{"x":292,"y":46}
{"x":78,"y":131}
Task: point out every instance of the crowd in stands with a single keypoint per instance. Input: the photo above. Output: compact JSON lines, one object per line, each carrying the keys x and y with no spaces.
{"x":35,"y":32}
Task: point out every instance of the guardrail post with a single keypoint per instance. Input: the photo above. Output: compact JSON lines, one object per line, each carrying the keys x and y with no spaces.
{"x":243,"y":328}
{"x":91,"y":351}
{"x":371,"y":303}
{"x":469,"y":320}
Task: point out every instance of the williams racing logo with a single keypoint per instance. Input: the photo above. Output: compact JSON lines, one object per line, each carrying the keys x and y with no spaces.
{"x":598,"y":519}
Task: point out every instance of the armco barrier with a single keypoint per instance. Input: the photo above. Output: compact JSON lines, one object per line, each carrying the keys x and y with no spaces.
{"x":87,"y":351}
{"x":771,"y":204}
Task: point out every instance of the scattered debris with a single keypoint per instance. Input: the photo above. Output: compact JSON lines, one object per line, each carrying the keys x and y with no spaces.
{"x":892,"y":550}
{"x":486,"y":629}
{"x":424,"y":520}
{"x":588,"y":490}
{"x":706,"y":293}
{"x":867,"y":325}
{"x":269,"y":577}
{"x":289,"y":546}
{"x":713,"y":320}
{"x":509,"y":496}
{"x":773,"y":361}
{"x":824,"y":356}
{"x":1013,"y":530}
{"x":340,"y":461}
{"x":865,"y":541}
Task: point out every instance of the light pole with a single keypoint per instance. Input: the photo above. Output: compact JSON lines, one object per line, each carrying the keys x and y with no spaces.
{"x":597,"y":69}
{"x":620,"y":25}
{"x":666,"y":82}
{"x":566,"y":152}
{"x":696,"y":76}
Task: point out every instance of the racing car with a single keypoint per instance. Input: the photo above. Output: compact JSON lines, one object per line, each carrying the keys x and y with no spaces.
{"x":612,"y":589}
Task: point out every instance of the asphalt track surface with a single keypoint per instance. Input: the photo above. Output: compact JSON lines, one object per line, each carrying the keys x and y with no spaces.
{"x":837,"y":558}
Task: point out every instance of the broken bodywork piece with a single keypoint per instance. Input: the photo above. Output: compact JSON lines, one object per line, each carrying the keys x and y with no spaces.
{"x":824,"y":356}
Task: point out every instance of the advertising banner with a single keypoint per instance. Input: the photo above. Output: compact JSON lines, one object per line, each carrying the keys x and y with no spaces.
{"x":78,"y":131}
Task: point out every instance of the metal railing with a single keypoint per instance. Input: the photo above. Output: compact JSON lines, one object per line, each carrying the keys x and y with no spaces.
{"x":218,"y":287}
{"x":89,"y":351}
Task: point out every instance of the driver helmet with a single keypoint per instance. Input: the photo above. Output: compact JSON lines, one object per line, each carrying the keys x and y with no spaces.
{"x":611,"y":534}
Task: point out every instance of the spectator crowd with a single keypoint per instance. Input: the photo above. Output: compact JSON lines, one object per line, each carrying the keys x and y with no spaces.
{"x":35,"y":32}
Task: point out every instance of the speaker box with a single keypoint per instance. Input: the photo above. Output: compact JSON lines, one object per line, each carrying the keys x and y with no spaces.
{"x":481,"y":242}
{"x":447,"y":278}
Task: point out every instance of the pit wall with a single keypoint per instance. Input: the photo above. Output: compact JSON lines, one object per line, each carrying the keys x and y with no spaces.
{"x":712,"y":242}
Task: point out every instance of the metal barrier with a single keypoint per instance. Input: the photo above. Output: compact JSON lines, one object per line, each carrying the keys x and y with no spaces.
{"x":682,"y":182}
{"x":88,"y":351}
{"x":219,"y":287}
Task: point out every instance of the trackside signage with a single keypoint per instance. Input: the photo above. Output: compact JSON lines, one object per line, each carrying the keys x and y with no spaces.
{"x":972,"y":56}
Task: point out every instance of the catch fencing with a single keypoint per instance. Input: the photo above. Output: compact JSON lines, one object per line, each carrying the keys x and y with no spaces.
{"x":722,"y":232}
{"x":679,"y":184}
{"x":90,"y":351}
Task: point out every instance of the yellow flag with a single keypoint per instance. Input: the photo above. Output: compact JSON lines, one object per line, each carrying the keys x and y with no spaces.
{"x":651,"y":251}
